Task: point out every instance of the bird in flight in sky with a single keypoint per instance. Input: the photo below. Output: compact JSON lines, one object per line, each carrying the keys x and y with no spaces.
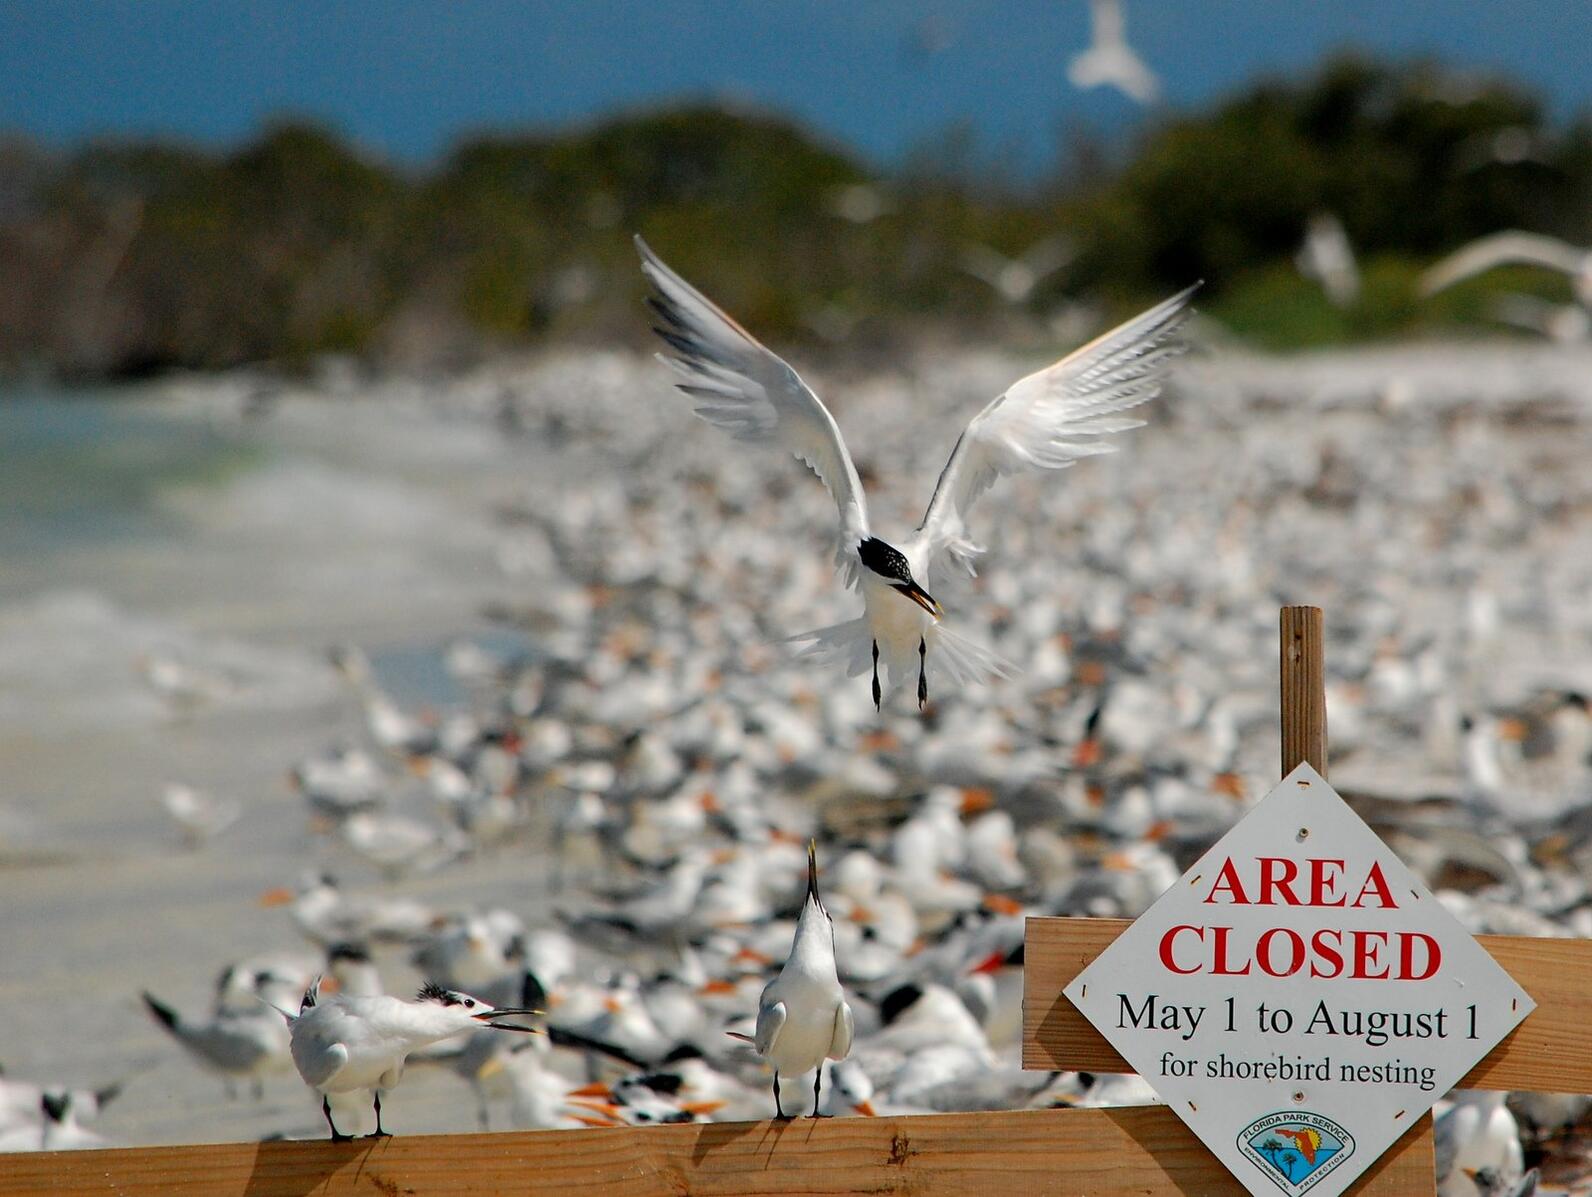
{"x":1047,"y":420}
{"x":1109,"y":60}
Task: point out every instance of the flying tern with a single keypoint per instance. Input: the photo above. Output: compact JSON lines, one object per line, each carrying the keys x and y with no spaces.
{"x":1327,"y":257}
{"x":803,"y":1017}
{"x":1046,"y":420}
{"x":1015,"y":279}
{"x":342,"y":1044}
{"x":1110,"y":60}
{"x":1514,"y":247}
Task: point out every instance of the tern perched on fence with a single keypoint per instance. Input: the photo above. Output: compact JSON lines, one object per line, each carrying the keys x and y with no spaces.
{"x":1044,"y":421}
{"x":803,"y":1017}
{"x":343,"y":1044}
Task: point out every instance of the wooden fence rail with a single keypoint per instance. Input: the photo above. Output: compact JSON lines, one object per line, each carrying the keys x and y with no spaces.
{"x":1017,"y":1153}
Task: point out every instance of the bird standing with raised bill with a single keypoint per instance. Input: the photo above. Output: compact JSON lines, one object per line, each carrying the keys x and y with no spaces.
{"x":341,"y":1044}
{"x":1047,"y":420}
{"x":803,"y":1017}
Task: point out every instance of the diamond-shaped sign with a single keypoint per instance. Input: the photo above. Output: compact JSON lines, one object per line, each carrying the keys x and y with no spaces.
{"x":1299,"y":997}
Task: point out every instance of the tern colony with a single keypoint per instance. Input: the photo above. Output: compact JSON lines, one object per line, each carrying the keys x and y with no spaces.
{"x":659,"y":738}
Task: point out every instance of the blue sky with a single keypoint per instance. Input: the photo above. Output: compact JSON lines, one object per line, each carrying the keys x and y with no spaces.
{"x":406,"y":78}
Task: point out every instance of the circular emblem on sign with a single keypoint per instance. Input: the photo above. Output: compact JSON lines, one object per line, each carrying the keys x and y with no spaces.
{"x":1296,"y":1150}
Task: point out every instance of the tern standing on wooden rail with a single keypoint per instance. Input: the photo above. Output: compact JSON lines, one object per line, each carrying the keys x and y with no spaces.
{"x":345,"y":1044}
{"x":803,"y":1017}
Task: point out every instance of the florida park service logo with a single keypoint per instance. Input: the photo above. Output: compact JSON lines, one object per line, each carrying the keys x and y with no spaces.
{"x":1296,"y":1150}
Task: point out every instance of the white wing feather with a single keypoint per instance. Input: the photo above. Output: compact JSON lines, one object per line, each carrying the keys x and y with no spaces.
{"x":753,"y":394}
{"x":1501,"y":249}
{"x":840,"y":1040}
{"x":1049,"y":420}
{"x":770,"y":1021}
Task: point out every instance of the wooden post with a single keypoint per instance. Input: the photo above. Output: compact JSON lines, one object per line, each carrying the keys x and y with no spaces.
{"x":1304,"y":689}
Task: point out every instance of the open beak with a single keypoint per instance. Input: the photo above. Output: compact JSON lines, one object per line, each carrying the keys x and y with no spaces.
{"x":490,"y":1017}
{"x":812,"y":874}
{"x":920,"y":596}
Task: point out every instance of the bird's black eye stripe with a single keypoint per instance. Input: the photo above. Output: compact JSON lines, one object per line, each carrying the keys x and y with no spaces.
{"x":884,"y":560}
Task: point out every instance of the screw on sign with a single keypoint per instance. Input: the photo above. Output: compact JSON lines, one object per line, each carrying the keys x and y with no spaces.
{"x":1299,"y":998}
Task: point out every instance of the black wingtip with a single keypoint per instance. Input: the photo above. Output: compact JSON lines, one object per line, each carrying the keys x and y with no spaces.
{"x":163,"y":1012}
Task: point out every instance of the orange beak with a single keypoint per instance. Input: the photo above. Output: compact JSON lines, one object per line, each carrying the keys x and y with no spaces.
{"x":277,"y":897}
{"x":1087,"y":754}
{"x":606,"y":1108}
{"x":1230,"y":784}
{"x":595,"y":1089}
{"x":1001,"y":904}
{"x":976,"y":799}
{"x":865,"y":1108}
{"x":702,"y":1108}
{"x":718,"y":987}
{"x":990,"y":964}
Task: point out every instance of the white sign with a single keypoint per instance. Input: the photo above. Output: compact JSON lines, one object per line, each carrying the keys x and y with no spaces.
{"x":1299,"y":997}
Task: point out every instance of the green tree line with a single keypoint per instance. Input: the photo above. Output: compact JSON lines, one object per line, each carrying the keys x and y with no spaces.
{"x":127,"y":257}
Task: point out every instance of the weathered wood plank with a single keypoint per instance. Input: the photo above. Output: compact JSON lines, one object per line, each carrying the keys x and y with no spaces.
{"x":1302,"y":648}
{"x":1551,"y":1052}
{"x":1098,"y":1152}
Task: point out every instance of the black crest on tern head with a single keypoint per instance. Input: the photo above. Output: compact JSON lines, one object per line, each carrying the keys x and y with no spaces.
{"x":885,"y":560}
{"x":432,"y":992}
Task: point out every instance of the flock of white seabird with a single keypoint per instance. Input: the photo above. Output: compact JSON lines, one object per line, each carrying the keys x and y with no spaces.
{"x":657,"y":733}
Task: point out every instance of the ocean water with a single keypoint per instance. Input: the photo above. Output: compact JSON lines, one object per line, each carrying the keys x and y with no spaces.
{"x":86,"y":467}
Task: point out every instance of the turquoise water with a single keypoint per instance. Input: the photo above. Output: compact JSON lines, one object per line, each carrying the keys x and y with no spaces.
{"x":84,"y":467}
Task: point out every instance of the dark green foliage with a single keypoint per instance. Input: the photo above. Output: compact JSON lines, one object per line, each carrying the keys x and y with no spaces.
{"x":126,"y":257}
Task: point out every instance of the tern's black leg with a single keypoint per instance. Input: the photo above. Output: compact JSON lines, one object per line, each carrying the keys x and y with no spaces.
{"x":378,"y":1133}
{"x":779,"y":1109}
{"x":876,"y":691}
{"x":818,"y":1080}
{"x":923,"y":678}
{"x":326,"y":1108}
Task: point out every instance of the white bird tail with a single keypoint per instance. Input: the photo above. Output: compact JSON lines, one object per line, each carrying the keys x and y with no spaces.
{"x":967,"y":661}
{"x":849,"y":646}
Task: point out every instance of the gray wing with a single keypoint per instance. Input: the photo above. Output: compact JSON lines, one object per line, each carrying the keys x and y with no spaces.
{"x":1445,"y":1144}
{"x":1050,"y":419}
{"x":840,"y":1043}
{"x":770,"y":1021}
{"x":318,"y":1058}
{"x":751,"y":393}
